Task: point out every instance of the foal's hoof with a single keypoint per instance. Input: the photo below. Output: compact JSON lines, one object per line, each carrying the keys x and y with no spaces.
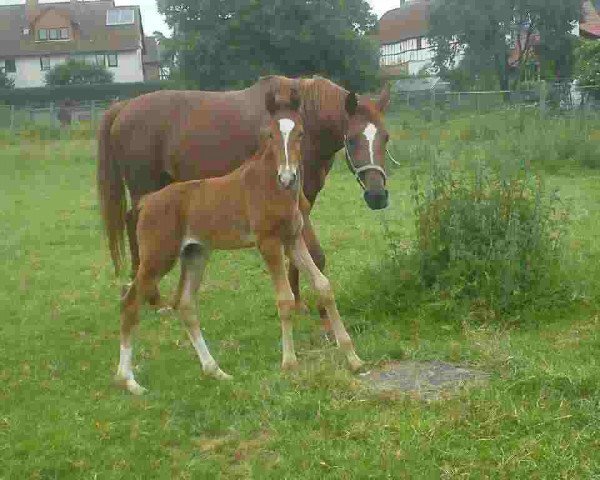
{"x":355,"y":363}
{"x":218,"y":374}
{"x":125,"y":288}
{"x":129,"y":384}
{"x":301,"y":308}
{"x":164,"y":310}
{"x":289,"y":365}
{"x":327,"y":336}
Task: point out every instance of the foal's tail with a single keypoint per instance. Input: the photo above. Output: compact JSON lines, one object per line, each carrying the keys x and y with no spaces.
{"x":111,"y":190}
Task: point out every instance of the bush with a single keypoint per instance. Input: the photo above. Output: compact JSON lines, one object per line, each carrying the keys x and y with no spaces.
{"x":487,"y":237}
{"x":78,"y":73}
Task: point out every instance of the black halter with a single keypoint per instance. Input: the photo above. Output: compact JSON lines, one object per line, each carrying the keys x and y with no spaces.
{"x":357,"y":171}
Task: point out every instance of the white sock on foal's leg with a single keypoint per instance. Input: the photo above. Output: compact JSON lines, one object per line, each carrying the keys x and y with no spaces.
{"x":209,"y":364}
{"x":125,"y":372}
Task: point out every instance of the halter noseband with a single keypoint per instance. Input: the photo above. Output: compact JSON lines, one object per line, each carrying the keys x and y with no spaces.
{"x":357,"y":171}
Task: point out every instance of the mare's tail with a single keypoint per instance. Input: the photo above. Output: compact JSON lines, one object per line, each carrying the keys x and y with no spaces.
{"x":111,"y":190}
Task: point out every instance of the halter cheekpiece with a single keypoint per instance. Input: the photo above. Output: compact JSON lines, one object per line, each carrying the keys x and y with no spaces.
{"x":356,"y":171}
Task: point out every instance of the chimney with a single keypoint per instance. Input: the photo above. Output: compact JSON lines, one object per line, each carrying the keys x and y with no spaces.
{"x":31,"y":9}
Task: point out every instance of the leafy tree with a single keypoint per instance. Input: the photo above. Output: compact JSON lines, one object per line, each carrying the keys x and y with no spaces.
{"x":488,"y":30}
{"x":587,"y":65}
{"x":5,"y":80}
{"x":75,"y":72}
{"x":229,"y":43}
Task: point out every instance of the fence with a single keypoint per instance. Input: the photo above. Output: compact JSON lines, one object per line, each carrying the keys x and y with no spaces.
{"x":547,"y":97}
{"x":14,"y":117}
{"x":563,"y":97}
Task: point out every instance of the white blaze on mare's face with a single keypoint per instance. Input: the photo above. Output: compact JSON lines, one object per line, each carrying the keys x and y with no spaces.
{"x":370,"y":132}
{"x":286,"y":126}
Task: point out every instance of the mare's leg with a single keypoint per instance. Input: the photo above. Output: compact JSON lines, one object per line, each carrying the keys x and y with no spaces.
{"x":130,"y":311}
{"x":302,"y":259}
{"x":193,"y":261}
{"x":271,"y":250}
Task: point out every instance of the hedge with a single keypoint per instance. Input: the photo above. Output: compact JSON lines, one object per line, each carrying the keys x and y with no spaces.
{"x":109,"y":91}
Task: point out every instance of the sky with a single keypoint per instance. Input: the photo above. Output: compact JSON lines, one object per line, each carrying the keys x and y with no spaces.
{"x":153,"y":21}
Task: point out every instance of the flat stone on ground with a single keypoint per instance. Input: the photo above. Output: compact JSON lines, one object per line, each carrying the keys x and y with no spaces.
{"x":425,"y":379}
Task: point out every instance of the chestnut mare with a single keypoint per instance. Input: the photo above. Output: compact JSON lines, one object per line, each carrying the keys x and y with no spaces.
{"x":257,"y":204}
{"x":152,"y":140}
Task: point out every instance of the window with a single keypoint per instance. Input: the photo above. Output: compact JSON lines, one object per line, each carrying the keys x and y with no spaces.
{"x":119,"y":17}
{"x":45,"y":63}
{"x":100,"y":59}
{"x":53,"y":34}
{"x":113,"y":60}
{"x":8,"y":66}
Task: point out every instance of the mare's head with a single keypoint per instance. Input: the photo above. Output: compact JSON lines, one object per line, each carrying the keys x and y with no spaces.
{"x":284,"y":135}
{"x":365,"y":142}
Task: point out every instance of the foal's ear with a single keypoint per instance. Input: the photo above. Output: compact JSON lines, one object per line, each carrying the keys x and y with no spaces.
{"x":351,"y":103}
{"x":264,"y":136}
{"x":384,"y":98}
{"x":294,"y":99}
{"x":271,"y":102}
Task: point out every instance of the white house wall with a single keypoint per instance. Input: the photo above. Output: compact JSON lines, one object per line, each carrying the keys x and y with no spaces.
{"x":30,"y":74}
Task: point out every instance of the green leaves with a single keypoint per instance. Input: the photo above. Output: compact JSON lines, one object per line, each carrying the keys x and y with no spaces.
{"x":78,"y":73}
{"x":229,"y":43}
{"x":490,"y":30}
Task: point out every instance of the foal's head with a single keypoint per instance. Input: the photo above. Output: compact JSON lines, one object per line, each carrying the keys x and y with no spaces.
{"x":284,"y":135}
{"x":365,"y":146}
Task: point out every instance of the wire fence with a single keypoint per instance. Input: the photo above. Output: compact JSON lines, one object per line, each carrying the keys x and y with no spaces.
{"x":14,"y":118}
{"x":566,"y":97}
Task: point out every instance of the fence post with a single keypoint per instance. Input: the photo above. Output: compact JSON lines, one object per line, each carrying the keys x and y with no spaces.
{"x":92,"y":114}
{"x":477,"y":102}
{"x":408,"y":99}
{"x":12,"y":118}
{"x":53,"y":114}
{"x":543,"y":97}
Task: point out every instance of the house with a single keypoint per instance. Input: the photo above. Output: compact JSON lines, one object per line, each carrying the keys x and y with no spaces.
{"x":404,"y":47}
{"x":589,"y":23}
{"x":35,"y":37}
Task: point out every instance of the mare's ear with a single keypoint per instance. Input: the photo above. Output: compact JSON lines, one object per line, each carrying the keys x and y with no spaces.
{"x":351,"y":103}
{"x":271,"y":102}
{"x":384,"y":98}
{"x":294,"y":99}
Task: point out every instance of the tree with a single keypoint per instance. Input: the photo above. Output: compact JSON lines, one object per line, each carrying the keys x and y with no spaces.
{"x":489,"y":30}
{"x":587,"y":65}
{"x":229,"y":43}
{"x":78,"y":73}
{"x":5,"y":80}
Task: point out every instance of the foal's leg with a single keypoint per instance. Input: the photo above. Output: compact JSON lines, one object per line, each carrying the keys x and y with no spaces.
{"x":130,"y":310}
{"x":271,"y":250}
{"x":193,"y":262}
{"x":303,"y":260}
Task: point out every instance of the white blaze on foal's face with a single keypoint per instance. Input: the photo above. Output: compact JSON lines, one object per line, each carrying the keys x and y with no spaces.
{"x":369,"y":132}
{"x":286,"y":126}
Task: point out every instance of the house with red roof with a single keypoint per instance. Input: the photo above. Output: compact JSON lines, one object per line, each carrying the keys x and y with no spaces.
{"x":36,"y":36}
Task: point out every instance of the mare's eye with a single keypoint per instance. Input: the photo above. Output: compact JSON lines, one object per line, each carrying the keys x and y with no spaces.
{"x":386,"y":137}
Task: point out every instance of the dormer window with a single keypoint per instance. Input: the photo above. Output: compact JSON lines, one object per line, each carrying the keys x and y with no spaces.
{"x":53,"y":34}
{"x":119,"y":17}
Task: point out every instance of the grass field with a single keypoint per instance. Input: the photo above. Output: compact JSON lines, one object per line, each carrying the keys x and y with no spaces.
{"x":539,"y":417}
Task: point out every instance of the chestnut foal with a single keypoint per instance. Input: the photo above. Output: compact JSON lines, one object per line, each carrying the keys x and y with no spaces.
{"x":256,"y":205}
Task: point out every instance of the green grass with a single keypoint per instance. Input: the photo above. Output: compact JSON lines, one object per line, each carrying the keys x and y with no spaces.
{"x":539,"y":417}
